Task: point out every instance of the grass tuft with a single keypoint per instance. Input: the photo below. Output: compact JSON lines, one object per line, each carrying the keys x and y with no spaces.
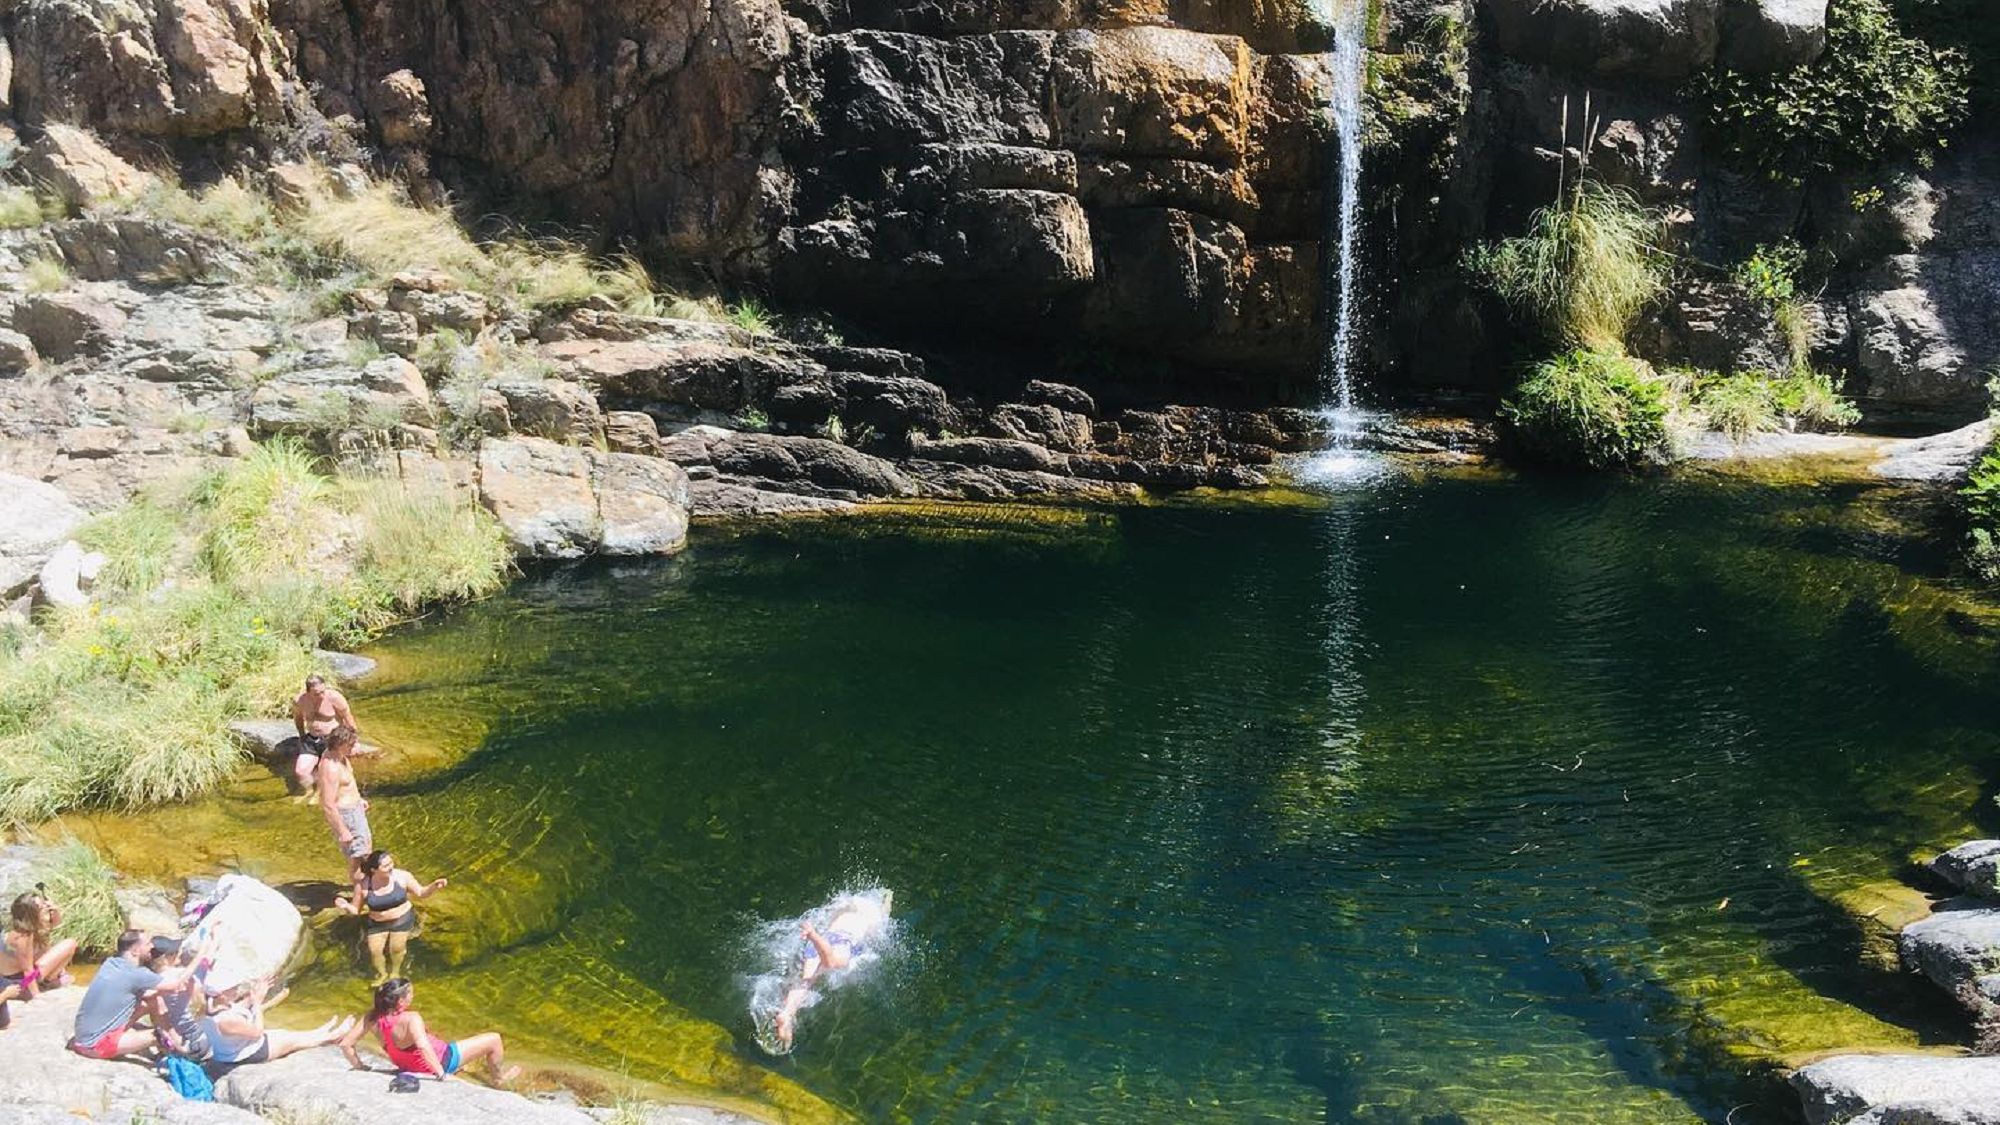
{"x":264,"y":512}
{"x":46,"y":275}
{"x":1588,"y":263}
{"x":24,"y":207}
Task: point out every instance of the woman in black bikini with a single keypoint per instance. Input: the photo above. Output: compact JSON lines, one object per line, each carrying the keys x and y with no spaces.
{"x":390,"y":919}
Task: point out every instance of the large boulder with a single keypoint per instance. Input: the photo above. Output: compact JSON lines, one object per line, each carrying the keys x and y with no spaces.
{"x":1763,"y":36}
{"x":700,"y":373}
{"x":69,"y":324}
{"x":551,"y":408}
{"x":643,"y":504}
{"x":1941,"y":458}
{"x":77,"y":167}
{"x":1958,"y":948}
{"x":542,"y":495}
{"x":1659,"y":39}
{"x":1907,"y":1089}
{"x":384,"y":393}
{"x":35,"y":518}
{"x":1923,"y":330}
{"x":157,"y":68}
{"x":256,"y":928}
{"x":147,"y":251}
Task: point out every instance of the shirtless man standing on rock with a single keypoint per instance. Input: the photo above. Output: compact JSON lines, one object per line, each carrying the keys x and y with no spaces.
{"x":340,"y":799}
{"x":317,"y":712}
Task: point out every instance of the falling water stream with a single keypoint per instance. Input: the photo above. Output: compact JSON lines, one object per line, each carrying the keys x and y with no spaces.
{"x":1348,"y":67}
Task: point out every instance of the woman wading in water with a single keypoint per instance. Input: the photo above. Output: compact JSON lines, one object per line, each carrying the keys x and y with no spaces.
{"x":384,"y":899}
{"x":412,"y":1048}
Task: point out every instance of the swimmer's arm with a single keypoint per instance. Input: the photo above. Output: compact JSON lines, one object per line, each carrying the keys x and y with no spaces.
{"x":348,"y":1041}
{"x":421,"y":890}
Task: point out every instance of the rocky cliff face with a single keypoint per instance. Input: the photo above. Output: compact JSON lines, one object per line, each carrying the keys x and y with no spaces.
{"x":1068,"y":176}
{"x":1070,"y":172}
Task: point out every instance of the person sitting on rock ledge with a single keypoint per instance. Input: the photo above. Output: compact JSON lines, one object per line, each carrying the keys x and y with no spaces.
{"x":104,"y":1020}
{"x":385,"y":899}
{"x":317,"y":713}
{"x":340,"y":799}
{"x":236,"y":1035}
{"x":30,"y":960}
{"x":412,"y":1049}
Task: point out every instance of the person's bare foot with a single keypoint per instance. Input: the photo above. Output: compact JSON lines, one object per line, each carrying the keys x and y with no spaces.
{"x":784,"y":1025}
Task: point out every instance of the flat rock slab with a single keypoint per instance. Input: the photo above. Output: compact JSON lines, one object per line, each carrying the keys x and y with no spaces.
{"x":42,"y":1076}
{"x":1957,"y":947}
{"x":1886,"y":1089}
{"x":272,"y":739}
{"x":345,"y":666}
{"x":1972,"y":867}
{"x":1938,"y":459}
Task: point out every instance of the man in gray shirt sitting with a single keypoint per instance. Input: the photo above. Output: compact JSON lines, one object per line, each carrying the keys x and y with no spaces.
{"x":104,"y":1019}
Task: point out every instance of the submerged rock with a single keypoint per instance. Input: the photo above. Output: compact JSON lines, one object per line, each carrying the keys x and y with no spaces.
{"x":345,"y":666}
{"x":1886,"y":1089}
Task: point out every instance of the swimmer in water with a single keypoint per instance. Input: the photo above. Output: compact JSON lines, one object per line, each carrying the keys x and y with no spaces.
{"x":844,"y":940}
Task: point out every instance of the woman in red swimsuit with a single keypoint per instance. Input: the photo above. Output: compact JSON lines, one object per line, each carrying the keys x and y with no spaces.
{"x":413,"y":1049}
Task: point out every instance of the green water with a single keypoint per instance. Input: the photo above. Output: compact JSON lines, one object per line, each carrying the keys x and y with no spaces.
{"x":1416,"y":803}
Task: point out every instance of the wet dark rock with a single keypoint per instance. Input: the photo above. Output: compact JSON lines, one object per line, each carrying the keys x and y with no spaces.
{"x":1062,"y":396}
{"x":893,"y":405}
{"x":1045,"y":425}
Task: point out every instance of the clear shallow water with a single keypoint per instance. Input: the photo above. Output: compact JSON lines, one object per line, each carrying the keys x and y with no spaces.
{"x":1417,"y":802}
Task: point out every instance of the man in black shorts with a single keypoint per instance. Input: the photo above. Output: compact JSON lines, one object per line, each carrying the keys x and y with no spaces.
{"x":317,"y":712}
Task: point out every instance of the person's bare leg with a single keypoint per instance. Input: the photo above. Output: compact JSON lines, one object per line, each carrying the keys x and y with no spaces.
{"x":377,"y":944}
{"x":135,"y":1041}
{"x":788,"y":1012}
{"x":55,"y":961}
{"x":488,"y":1046}
{"x":399,"y":945}
{"x":304,"y":769}
{"x":284,"y":1043}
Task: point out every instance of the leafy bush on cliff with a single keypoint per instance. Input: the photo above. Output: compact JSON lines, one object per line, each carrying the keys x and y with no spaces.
{"x":1981,"y":496}
{"x":1591,"y":409}
{"x":1586,"y":266}
{"x":1876,"y":93}
{"x":215,"y":595}
{"x":1746,"y":403}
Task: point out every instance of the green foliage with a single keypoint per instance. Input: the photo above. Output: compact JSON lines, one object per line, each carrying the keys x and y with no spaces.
{"x":1747,"y":403}
{"x":127,"y":701}
{"x":1981,"y":497}
{"x":751,"y":315}
{"x":1811,"y":400}
{"x":23,"y":207}
{"x":1588,"y":263}
{"x":1876,"y":93}
{"x":418,"y":548}
{"x":1591,"y":409}
{"x":263,"y":512}
{"x":79,"y":882}
{"x":1772,"y":272}
{"x":46,"y":275}
{"x":753,"y":419}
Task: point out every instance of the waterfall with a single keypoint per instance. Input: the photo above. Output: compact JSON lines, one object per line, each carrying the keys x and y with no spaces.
{"x":1348,"y":66}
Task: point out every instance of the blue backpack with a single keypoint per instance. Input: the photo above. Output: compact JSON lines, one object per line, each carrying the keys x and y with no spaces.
{"x":187,"y":1078}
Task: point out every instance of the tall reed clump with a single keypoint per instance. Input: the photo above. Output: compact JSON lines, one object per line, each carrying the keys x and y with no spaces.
{"x":1586,"y":266}
{"x":213,"y":598}
{"x":1580,"y":274}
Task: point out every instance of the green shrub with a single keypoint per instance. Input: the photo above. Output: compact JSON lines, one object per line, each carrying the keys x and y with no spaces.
{"x":262,"y":513}
{"x":1875,"y":93}
{"x":23,"y":207}
{"x":751,"y":315}
{"x":1981,"y":497}
{"x":1588,"y":264}
{"x":1812,"y":400}
{"x":78,"y":880}
{"x":1591,"y":409}
{"x":1737,"y":405}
